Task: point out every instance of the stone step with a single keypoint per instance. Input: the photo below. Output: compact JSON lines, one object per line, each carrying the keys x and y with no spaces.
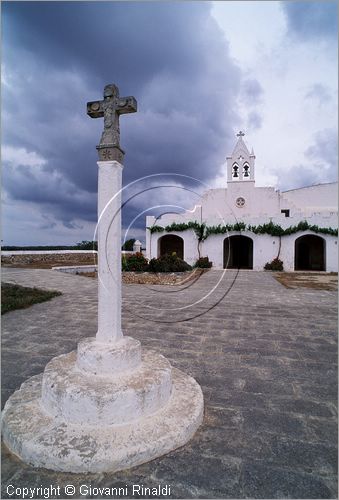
{"x":45,"y":441}
{"x":74,"y":396}
{"x":108,"y":358}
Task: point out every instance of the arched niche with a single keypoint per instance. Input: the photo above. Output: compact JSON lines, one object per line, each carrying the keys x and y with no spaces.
{"x":170,"y":243}
{"x":309,"y":253}
{"x":238,"y":252}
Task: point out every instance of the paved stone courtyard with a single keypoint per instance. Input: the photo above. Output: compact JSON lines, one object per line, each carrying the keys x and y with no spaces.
{"x":265,"y":356}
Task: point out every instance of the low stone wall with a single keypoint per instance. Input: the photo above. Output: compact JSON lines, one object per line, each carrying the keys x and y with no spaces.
{"x":48,"y":259}
{"x":160,"y":278}
{"x":81,"y":269}
{"x":137,"y":278}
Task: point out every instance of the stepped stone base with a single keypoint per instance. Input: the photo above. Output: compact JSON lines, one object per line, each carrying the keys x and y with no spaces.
{"x":81,"y":398}
{"x":72,"y":421}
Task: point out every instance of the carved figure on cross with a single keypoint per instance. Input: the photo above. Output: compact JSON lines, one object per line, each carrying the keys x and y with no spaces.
{"x":110,"y":108}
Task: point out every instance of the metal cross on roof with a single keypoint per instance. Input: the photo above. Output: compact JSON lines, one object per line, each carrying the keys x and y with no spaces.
{"x":241,"y":134}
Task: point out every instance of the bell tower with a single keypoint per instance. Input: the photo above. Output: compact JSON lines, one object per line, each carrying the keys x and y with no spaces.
{"x":240,"y":166}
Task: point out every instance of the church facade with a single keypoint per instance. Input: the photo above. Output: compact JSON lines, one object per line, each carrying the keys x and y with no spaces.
{"x":245,"y":226}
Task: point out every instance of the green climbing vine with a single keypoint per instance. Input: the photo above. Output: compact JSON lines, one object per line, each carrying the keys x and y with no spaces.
{"x":203,"y":231}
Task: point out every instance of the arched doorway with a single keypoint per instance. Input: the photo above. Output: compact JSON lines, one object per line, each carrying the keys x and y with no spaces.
{"x":309,"y":253}
{"x":171,"y":243}
{"x":238,"y":252}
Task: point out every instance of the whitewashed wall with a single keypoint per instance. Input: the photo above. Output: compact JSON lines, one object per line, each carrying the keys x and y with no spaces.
{"x":331,"y":250}
{"x":331,"y":254}
{"x":265,"y":248}
{"x":312,"y":198}
{"x":190,"y":245}
{"x":45,"y":252}
{"x":260,"y":201}
{"x":315,"y":204}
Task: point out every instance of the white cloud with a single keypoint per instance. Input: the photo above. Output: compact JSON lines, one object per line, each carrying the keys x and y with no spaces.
{"x":288,"y":70}
{"x":28,"y":224}
{"x":164,"y":193}
{"x":20,"y":156}
{"x":242,"y":69}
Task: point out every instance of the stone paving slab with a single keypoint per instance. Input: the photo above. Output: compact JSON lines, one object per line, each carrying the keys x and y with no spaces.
{"x":265,"y":356}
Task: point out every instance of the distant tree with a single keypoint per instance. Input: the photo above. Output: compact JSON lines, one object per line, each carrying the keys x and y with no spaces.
{"x":128,"y":245}
{"x":87,"y":245}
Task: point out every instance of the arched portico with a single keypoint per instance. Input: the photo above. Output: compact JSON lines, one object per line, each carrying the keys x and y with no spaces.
{"x":309,"y":253}
{"x":238,"y":252}
{"x":170,"y":243}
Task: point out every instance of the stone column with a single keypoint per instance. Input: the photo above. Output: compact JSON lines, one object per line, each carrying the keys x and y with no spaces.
{"x":109,"y":251}
{"x":105,"y":407}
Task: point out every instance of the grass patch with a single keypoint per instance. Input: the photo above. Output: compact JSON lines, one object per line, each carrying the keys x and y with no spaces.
{"x":312,"y":280}
{"x":20,"y":297}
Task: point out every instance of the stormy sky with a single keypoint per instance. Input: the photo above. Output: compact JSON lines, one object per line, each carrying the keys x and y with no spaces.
{"x":200,"y":71}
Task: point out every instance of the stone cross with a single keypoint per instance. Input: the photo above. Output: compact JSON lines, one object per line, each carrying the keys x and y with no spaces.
{"x":109,"y":211}
{"x":241,"y":134}
{"x":108,"y":406}
{"x":110,"y":108}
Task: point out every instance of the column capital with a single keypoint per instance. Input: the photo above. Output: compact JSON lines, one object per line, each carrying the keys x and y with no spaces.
{"x":110,"y":152}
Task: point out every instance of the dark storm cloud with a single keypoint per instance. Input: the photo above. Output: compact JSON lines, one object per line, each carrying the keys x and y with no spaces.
{"x":251,"y":95}
{"x":252,"y":91}
{"x":254,"y":121}
{"x":325,"y":150}
{"x":128,"y":38}
{"x":319,"y":93}
{"x":311,"y":19}
{"x":58,"y":55}
{"x":50,"y":190}
{"x":321,"y":166}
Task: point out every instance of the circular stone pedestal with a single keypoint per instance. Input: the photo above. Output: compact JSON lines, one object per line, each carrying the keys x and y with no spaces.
{"x":70,"y":420}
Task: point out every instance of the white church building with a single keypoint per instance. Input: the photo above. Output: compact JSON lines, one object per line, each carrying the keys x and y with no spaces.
{"x":244,"y":226}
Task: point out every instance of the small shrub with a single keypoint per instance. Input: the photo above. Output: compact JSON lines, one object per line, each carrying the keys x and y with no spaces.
{"x":87,"y":245}
{"x":168,"y":264}
{"x":203,"y":263}
{"x":134,"y":262}
{"x":275,"y":265}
